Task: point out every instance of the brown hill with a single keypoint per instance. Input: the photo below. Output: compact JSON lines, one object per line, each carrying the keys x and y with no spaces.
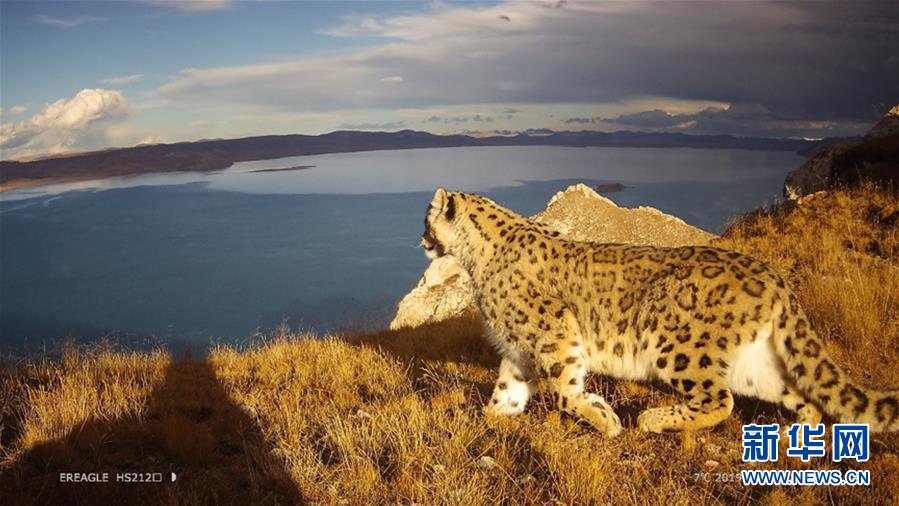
{"x":218,"y":154}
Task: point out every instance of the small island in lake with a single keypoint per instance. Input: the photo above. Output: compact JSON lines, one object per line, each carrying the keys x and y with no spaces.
{"x":609,"y":188}
{"x":298,"y":167}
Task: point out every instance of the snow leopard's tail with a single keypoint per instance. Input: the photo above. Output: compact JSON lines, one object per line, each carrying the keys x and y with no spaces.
{"x":822,"y":381}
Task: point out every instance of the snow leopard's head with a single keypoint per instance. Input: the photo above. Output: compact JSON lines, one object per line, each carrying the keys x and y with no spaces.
{"x":439,"y":224}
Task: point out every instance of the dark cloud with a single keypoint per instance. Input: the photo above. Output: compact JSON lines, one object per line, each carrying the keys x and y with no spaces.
{"x":580,"y":121}
{"x":655,"y":118}
{"x":753,"y":119}
{"x":800,"y":61}
{"x":459,"y":119}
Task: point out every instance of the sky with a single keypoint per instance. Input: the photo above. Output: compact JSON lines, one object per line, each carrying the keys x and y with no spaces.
{"x":78,"y":75}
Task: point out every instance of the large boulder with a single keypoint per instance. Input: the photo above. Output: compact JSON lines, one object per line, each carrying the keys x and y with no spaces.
{"x":444,"y":291}
{"x":581,"y":214}
{"x":578,"y":213}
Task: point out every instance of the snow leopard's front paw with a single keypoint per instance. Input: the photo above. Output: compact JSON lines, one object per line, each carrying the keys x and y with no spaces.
{"x":508,"y":399}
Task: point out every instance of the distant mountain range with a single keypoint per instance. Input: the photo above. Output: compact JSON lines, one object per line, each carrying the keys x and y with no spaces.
{"x":207,"y":155}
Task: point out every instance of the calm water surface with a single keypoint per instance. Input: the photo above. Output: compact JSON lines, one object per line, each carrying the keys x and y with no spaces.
{"x":195,"y":258}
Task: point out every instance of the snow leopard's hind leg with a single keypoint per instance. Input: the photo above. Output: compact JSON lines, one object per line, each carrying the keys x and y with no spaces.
{"x":561,"y":357}
{"x":697,"y":368}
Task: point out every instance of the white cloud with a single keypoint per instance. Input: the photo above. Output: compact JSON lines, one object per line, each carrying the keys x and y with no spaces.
{"x":192,"y":5}
{"x":120,"y":134}
{"x":65,"y":22}
{"x":118,"y":81}
{"x":445,"y":22}
{"x":60,"y":126}
{"x":16,"y":109}
{"x":392,"y":79}
{"x":148,"y":140}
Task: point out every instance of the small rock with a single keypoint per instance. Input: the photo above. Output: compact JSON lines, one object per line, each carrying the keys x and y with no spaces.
{"x":248,"y":410}
{"x":714,"y":449}
{"x":487,"y":463}
{"x":805,"y":199}
{"x":712,"y":463}
{"x":362,"y":414}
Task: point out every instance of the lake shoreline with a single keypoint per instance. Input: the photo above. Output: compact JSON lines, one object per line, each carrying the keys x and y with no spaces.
{"x":210,"y":156}
{"x":22,"y":184}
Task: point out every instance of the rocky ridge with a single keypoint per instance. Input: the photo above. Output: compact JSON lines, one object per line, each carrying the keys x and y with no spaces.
{"x":875,"y":158}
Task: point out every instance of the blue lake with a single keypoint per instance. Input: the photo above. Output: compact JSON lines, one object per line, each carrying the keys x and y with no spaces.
{"x":194,"y":258}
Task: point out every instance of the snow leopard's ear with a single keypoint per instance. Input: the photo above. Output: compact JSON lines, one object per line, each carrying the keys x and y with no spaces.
{"x":445,"y":203}
{"x":440,"y":199}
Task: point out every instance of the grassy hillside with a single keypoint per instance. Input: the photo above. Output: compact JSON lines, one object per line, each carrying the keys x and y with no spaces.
{"x":394,"y":417}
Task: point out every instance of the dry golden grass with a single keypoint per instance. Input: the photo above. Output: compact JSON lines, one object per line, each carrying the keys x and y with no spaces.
{"x":394,"y":417}
{"x":840,"y":253}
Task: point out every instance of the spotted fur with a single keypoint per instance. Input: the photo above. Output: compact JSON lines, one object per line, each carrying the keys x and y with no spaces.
{"x":710,"y":323}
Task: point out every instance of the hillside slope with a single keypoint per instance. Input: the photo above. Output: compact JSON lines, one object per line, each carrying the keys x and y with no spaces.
{"x":394,"y":417}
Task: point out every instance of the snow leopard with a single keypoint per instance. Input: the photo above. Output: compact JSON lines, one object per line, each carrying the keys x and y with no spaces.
{"x":710,"y":323}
